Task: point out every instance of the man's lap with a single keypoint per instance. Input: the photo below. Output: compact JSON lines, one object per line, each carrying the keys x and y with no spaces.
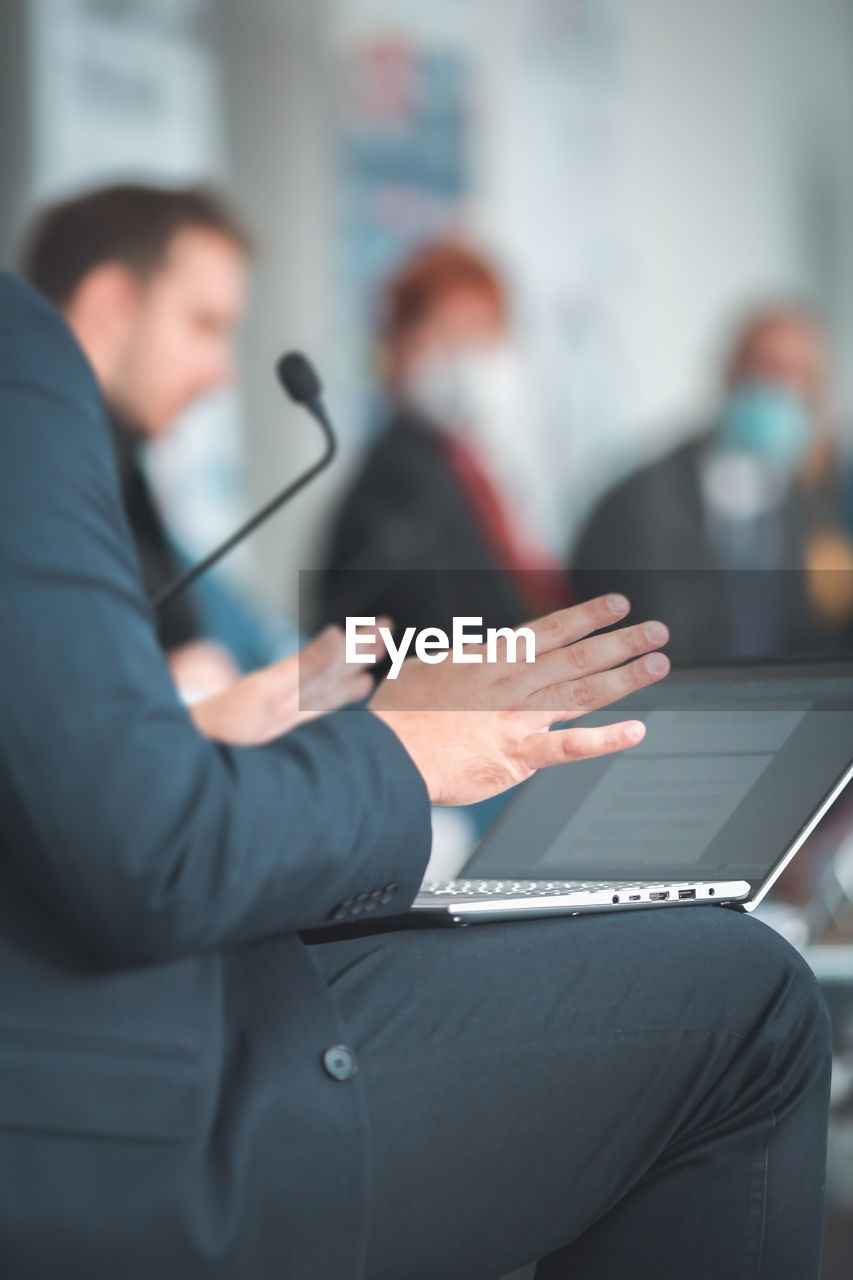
{"x":520,"y":1078}
{"x":453,"y":989}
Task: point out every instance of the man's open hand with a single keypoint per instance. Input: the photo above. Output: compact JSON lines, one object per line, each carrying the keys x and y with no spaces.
{"x":473,"y":731}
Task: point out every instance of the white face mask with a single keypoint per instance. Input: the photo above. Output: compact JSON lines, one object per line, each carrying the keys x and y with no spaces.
{"x":472,"y":392}
{"x":478,"y":394}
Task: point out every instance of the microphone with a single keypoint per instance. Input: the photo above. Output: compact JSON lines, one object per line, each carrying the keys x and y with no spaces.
{"x":299,"y":379}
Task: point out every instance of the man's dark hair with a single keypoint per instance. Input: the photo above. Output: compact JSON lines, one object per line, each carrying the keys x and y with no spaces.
{"x":129,"y":223}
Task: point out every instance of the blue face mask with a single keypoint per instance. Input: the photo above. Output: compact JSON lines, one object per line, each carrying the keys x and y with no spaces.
{"x":768,"y":421}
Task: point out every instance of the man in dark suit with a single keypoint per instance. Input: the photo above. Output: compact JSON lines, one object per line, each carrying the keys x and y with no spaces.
{"x":190,"y":1090}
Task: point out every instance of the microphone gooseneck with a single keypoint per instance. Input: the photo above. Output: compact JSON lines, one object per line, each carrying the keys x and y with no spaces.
{"x":298,"y":378}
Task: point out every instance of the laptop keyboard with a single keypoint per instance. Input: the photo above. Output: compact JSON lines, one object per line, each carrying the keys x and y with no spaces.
{"x":527,"y":888}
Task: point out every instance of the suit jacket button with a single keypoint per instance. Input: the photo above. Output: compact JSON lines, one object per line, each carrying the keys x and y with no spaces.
{"x":340,"y":1062}
{"x":388,"y":893}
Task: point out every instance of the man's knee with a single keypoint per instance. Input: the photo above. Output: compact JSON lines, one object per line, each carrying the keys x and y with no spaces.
{"x":787,"y":1006}
{"x":749,"y":976}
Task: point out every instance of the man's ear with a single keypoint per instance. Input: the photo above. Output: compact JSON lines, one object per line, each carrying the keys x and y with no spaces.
{"x":102,"y":311}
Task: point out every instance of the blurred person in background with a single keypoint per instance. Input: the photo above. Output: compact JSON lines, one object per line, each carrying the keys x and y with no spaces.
{"x":736,"y":535}
{"x":441,"y":487}
{"x":152,"y":283}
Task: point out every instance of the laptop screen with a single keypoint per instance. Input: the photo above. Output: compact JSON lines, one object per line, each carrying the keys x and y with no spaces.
{"x":736,"y":762}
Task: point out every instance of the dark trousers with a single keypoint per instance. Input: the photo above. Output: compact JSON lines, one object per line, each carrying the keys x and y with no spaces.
{"x":620,"y":1095}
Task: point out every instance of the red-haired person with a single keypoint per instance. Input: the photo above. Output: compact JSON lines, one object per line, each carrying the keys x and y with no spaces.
{"x":435,"y":520}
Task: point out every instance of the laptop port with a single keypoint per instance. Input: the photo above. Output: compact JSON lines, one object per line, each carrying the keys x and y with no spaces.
{"x":659,"y":897}
{"x":634,"y":897}
{"x":686,"y":894}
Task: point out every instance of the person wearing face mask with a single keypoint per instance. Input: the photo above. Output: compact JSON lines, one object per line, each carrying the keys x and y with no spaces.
{"x":733,"y":531}
{"x":440,"y":520}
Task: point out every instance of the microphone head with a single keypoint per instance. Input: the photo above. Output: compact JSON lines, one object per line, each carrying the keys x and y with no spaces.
{"x":299,"y":379}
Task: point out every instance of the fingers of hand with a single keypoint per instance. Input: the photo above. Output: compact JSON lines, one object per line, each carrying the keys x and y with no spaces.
{"x":570,"y":698}
{"x":567,"y":625}
{"x":321,"y":653}
{"x":325,"y":657}
{"x":565,"y":745}
{"x":597,"y":653}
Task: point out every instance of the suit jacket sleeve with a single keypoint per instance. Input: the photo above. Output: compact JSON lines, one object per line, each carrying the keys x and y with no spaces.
{"x":142,"y":836}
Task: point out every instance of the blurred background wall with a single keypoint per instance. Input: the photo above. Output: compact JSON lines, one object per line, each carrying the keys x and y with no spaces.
{"x":642,"y":169}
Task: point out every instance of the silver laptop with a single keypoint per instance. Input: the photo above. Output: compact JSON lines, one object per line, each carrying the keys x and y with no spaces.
{"x":739,"y":764}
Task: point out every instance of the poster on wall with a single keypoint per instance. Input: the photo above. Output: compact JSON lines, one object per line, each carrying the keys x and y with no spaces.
{"x":403,"y":166}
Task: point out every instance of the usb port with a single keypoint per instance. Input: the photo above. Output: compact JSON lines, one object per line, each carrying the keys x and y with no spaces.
{"x":686,"y":894}
{"x":633,"y":897}
{"x":659,"y":897}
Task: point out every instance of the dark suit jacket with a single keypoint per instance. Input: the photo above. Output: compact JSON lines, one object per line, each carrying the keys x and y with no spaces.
{"x":407,"y":543}
{"x":165,"y":1109}
{"x":650,"y":537}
